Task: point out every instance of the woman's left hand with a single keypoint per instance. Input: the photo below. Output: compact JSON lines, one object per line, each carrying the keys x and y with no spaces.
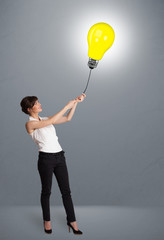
{"x":80,"y":98}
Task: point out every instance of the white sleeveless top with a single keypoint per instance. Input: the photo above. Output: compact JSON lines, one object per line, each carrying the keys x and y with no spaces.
{"x":45,"y":137}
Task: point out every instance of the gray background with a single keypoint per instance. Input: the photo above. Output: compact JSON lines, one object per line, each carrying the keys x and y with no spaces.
{"x":115,"y":142}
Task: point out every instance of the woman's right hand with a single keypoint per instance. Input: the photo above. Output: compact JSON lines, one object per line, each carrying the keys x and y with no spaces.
{"x":71,"y":103}
{"x":81,"y":97}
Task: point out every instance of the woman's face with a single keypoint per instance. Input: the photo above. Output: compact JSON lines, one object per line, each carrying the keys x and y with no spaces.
{"x":37,"y":107}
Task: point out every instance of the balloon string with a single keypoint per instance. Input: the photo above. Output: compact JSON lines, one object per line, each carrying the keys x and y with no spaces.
{"x":88,"y":80}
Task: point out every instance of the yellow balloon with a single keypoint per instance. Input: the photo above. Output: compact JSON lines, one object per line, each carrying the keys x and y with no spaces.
{"x":100,"y":38}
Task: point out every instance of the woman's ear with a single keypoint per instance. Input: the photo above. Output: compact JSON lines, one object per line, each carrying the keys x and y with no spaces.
{"x":28,"y":110}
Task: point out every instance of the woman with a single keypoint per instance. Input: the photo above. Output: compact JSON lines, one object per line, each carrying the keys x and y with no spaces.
{"x":51,"y":158}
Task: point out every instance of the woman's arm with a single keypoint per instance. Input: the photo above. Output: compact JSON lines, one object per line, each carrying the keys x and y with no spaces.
{"x":70,"y":114}
{"x":32,"y":125}
{"x":68,"y":117}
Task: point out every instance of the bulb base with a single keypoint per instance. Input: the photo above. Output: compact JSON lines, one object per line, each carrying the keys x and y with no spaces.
{"x":92,"y":63}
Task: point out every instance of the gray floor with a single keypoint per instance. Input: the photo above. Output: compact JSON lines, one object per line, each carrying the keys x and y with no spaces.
{"x":96,"y":222}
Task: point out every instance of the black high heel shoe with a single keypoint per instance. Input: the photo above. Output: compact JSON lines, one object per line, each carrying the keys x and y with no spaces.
{"x":47,"y":231}
{"x":74,"y":231}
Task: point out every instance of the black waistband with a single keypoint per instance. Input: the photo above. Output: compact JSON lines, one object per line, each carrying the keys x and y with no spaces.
{"x":53,"y":154}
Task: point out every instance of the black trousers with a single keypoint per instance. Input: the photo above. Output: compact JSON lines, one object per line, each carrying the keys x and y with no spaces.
{"x":49,"y":163}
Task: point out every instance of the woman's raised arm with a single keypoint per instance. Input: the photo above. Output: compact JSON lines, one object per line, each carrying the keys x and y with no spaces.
{"x":32,"y":125}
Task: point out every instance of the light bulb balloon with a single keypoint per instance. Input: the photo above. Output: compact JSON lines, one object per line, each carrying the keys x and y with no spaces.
{"x":100,"y":38}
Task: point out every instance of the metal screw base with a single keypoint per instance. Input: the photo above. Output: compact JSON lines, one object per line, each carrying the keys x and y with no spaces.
{"x":92,"y":63}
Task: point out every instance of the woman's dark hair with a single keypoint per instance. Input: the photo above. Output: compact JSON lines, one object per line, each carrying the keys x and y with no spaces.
{"x":28,"y":102}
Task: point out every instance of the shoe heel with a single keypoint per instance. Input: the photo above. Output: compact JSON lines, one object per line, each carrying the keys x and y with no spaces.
{"x":74,"y":231}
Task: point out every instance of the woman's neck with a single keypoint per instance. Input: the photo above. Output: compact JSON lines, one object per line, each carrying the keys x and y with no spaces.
{"x":35,"y":116}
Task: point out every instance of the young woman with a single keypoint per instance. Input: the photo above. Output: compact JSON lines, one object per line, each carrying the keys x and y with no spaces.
{"x":51,"y":157}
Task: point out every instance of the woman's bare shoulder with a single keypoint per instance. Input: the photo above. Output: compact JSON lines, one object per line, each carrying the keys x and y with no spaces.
{"x":27,"y":126}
